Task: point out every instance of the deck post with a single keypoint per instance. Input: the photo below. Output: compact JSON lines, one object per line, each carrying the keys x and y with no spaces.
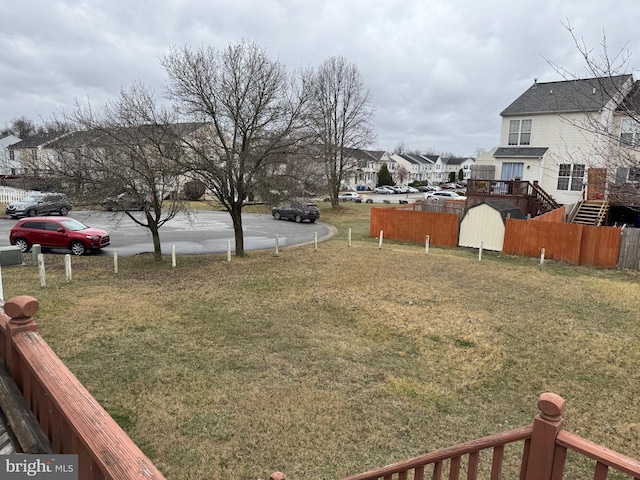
{"x":20,"y":311}
{"x":546,"y":427}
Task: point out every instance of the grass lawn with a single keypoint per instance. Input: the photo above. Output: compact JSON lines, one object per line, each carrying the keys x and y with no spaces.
{"x":326,"y":364}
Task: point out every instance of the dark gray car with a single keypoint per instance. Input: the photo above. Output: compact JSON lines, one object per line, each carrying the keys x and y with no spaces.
{"x":39,"y":204}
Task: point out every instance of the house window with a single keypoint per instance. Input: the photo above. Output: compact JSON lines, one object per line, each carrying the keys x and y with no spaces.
{"x":629,"y":132}
{"x":571,"y":177}
{"x":12,"y":155}
{"x":511,"y":170}
{"x":34,"y":154}
{"x":634,"y":174}
{"x":520,"y":132}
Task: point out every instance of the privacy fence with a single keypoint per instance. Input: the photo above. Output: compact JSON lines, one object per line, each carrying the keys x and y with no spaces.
{"x":604,"y":247}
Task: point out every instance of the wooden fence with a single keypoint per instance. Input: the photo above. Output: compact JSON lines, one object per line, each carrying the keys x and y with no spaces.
{"x":70,"y":417}
{"x":544,"y":446}
{"x":630,"y":249}
{"x":567,"y":242}
{"x":403,"y":223}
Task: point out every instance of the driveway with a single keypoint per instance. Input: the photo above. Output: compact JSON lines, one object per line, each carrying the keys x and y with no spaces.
{"x":200,"y":232}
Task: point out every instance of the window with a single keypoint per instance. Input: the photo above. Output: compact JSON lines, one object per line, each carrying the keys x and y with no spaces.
{"x":520,"y":132}
{"x":570,"y":177}
{"x":34,"y":154}
{"x":634,"y":174}
{"x":12,"y":155}
{"x":629,"y":132}
{"x":511,"y":170}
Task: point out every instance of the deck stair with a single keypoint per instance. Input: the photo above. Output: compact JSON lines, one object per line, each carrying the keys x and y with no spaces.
{"x":591,"y":212}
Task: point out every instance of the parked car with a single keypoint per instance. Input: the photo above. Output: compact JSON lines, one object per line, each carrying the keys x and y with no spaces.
{"x":124,"y":202}
{"x":446,"y":194}
{"x":412,"y":190}
{"x":298,"y":211}
{"x":429,"y":188}
{"x":350,"y":197}
{"x":57,"y":232}
{"x":384,"y":189}
{"x":400,"y":189}
{"x":39,"y":204}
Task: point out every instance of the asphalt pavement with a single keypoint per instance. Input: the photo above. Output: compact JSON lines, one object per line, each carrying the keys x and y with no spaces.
{"x":199,"y":232}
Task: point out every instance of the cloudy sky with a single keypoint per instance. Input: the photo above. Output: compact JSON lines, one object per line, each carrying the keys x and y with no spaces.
{"x":439,"y":71}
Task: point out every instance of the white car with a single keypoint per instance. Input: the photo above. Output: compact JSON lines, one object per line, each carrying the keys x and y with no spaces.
{"x":444,"y":194}
{"x":384,"y":189}
{"x":412,"y":190}
{"x":350,"y":197}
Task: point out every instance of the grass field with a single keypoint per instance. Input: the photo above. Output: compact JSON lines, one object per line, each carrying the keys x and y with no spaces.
{"x":329,"y":363}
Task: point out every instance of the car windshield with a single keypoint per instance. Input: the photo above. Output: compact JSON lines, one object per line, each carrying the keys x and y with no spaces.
{"x":32,"y":198}
{"x":73,"y":225}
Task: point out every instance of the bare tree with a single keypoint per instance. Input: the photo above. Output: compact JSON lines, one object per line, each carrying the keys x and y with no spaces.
{"x":131,"y":147}
{"x":614,"y":130}
{"x":402,"y":174}
{"x":341,"y":117}
{"x":255,"y":110}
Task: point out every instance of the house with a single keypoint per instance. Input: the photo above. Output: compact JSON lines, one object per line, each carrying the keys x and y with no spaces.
{"x":8,"y":163}
{"x":32,"y":156}
{"x":484,"y":224}
{"x":450,"y":169}
{"x":365,"y":165}
{"x":575,"y":139}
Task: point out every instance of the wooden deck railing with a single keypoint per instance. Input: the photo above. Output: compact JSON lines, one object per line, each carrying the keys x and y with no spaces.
{"x":544,"y":453}
{"x":527,"y":196}
{"x":70,"y":417}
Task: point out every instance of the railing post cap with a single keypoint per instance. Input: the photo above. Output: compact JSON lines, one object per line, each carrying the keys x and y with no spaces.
{"x":551,"y":405}
{"x":277,"y":476}
{"x":21,"y":309}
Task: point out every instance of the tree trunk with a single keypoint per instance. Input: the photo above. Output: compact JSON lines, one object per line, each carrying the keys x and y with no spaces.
{"x":236,"y":217}
{"x":155,"y":235}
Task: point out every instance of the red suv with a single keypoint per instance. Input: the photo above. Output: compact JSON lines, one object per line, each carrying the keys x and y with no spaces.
{"x":58,"y":232}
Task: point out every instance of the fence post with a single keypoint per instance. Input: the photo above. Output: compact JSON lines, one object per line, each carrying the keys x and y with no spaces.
{"x":20,"y":311}
{"x":546,"y":427}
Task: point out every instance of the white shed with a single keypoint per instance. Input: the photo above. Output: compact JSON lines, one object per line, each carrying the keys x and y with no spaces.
{"x":485,"y":224}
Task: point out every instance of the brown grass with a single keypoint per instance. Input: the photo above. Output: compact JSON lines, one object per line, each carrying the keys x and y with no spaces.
{"x":324,"y":364}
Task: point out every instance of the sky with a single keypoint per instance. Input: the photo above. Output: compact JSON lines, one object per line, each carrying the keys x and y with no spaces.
{"x":439,"y":71}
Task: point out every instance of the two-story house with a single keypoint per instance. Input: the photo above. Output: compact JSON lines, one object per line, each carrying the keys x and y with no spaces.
{"x":567,"y":136}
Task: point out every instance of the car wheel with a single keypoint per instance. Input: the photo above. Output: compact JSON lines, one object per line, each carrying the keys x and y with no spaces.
{"x":298,"y":219}
{"x":32,"y":212}
{"x":276,"y":216}
{"x":64,"y":211}
{"x":23,"y":244}
{"x":312,"y":220}
{"x":78,"y":248}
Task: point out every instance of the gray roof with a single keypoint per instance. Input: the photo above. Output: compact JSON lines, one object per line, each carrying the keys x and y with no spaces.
{"x":581,"y":95}
{"x":504,"y":208}
{"x":455,"y":160}
{"x":525,"y":152}
{"x":37,"y":140}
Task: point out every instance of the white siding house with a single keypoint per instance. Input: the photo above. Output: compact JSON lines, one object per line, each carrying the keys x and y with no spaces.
{"x":556,"y":133}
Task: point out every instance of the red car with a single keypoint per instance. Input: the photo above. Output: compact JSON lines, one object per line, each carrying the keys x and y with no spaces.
{"x":58,"y":232}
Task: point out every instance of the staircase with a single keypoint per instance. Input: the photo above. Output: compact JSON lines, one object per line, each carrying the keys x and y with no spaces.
{"x":591,"y":212}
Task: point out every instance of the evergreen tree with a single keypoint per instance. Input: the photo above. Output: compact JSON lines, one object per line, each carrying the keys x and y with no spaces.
{"x":384,"y":176}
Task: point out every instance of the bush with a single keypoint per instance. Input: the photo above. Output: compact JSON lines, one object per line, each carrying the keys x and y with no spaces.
{"x":193,"y":190}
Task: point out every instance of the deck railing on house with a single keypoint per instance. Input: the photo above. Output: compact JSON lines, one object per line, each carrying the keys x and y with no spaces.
{"x":70,"y":417}
{"x":544,"y":447}
{"x":527,"y":196}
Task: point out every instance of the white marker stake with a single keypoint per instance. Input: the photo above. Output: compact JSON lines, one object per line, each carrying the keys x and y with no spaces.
{"x":43,"y":280}
{"x":115,"y":261}
{"x":67,"y":267}
{"x":315,"y":241}
{"x":541,"y":259}
{"x":480,"y":252}
{"x":380,"y":239}
{"x":173,"y":256}
{"x":426,"y":245}
{"x":228,"y":251}
{"x":349,"y":237}
{"x":277,"y":253}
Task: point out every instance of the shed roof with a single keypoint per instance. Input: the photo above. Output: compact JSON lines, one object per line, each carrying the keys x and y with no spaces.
{"x":504,"y":208}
